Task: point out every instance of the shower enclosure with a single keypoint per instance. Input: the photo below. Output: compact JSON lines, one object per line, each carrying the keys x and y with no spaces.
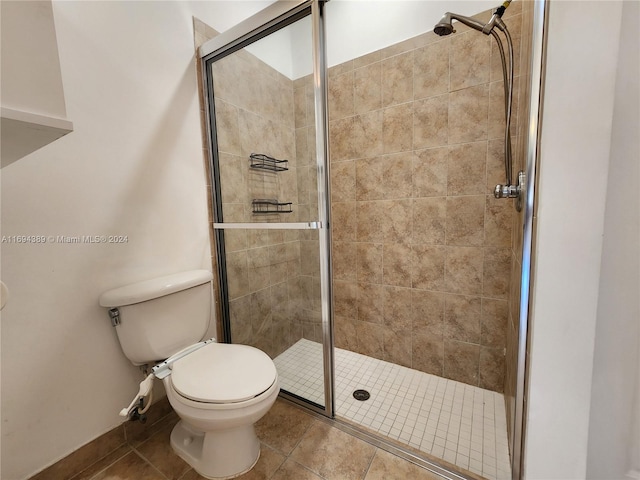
{"x":358,"y":239}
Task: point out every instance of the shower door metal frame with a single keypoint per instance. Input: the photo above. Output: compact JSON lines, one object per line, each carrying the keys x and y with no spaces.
{"x":536,"y":96}
{"x":276,"y":16}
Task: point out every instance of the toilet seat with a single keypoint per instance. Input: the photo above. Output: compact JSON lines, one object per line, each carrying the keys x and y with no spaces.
{"x":222,"y":373}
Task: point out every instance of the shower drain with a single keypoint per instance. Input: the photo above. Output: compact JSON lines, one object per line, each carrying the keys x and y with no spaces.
{"x":361,"y":395}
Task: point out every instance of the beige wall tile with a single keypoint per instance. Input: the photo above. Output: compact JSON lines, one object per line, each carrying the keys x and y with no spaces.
{"x":367,"y":134}
{"x":397,"y":175}
{"x":259,"y":268}
{"x":468,"y":114}
{"x":428,"y":354}
{"x":341,"y":95}
{"x":344,"y":221}
{"x":343,"y":181}
{"x":465,"y":220}
{"x":346,"y":336}
{"x":463,"y":270}
{"x":467,"y":166}
{"x":227,"y":128}
{"x":462,"y":318}
{"x":233,"y":179}
{"x":370,"y":339}
{"x":345,"y":298}
{"x":397,"y":264}
{"x":431,"y":70}
{"x":371,"y":219}
{"x":398,"y":313}
{"x":368,"y":88}
{"x":397,"y":79}
{"x":493,"y":323}
{"x":397,"y":222}
{"x":397,"y":133}
{"x":427,"y":312}
{"x":370,"y":181}
{"x":498,"y":222}
{"x":237,"y":274}
{"x":428,"y":270}
{"x":497,"y":265}
{"x":461,"y":361}
{"x":470,"y":60}
{"x":345,"y":255}
{"x":431,"y":122}
{"x":492,"y":367}
{"x":240,"y":319}
{"x":429,"y":220}
{"x":497,"y":117}
{"x":495,"y":164}
{"x":397,"y":347}
{"x":370,"y":303}
{"x":430,"y":171}
{"x":369,"y":262}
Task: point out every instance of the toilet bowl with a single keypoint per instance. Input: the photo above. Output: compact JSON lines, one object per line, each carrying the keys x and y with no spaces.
{"x":218,"y":390}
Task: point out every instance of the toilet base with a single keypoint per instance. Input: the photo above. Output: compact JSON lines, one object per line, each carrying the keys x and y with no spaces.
{"x":217,"y":455}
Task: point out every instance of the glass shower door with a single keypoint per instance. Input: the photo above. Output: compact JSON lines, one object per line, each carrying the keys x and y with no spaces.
{"x":268,"y":176}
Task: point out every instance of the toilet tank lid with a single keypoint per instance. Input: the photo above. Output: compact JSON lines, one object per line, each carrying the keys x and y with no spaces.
{"x":154,"y":288}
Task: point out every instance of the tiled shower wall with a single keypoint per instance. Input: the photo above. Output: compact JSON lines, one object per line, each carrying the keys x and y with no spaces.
{"x":421,"y":249}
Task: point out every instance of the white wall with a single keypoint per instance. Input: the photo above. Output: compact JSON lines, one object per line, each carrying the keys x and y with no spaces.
{"x":616,"y":359}
{"x":133,"y":166}
{"x":575,"y":149}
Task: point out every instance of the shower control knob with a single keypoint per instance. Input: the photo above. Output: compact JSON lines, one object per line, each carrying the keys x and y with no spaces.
{"x":506,"y":191}
{"x":512,"y":191}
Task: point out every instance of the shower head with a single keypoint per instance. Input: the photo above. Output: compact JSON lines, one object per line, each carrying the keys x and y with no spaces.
{"x":445,"y":27}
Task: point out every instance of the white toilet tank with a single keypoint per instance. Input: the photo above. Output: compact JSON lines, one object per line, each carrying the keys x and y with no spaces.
{"x":161,"y":316}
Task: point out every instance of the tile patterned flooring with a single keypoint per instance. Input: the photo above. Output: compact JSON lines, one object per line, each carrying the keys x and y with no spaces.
{"x":295,"y":446}
{"x":459,"y":423}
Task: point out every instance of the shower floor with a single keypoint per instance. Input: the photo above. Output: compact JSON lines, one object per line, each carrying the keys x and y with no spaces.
{"x":462,"y":424}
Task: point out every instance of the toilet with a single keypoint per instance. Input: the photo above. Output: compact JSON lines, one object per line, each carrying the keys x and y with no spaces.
{"x":218,"y":390}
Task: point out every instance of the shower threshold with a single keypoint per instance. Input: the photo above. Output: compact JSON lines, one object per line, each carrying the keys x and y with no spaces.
{"x":459,"y":423}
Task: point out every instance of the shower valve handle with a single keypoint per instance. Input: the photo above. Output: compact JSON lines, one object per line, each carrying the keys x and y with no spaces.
{"x":506,"y":191}
{"x":512,"y":191}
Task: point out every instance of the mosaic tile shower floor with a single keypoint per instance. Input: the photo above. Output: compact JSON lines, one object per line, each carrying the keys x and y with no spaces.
{"x":462,"y":424}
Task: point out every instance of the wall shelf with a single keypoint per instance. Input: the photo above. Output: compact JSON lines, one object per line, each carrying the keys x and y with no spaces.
{"x":25,"y":132}
{"x":264,"y":206}
{"x":260,"y":161}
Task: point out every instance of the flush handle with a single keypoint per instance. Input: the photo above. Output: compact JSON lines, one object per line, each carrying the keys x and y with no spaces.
{"x":114,"y":315}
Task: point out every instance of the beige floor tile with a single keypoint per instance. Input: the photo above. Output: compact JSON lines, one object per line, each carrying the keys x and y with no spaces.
{"x":268,"y":463}
{"x":103,"y":463}
{"x":157,"y":451}
{"x":283,"y":426}
{"x":292,"y":470}
{"x":130,"y":467}
{"x":333,"y":454}
{"x":386,"y":466}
